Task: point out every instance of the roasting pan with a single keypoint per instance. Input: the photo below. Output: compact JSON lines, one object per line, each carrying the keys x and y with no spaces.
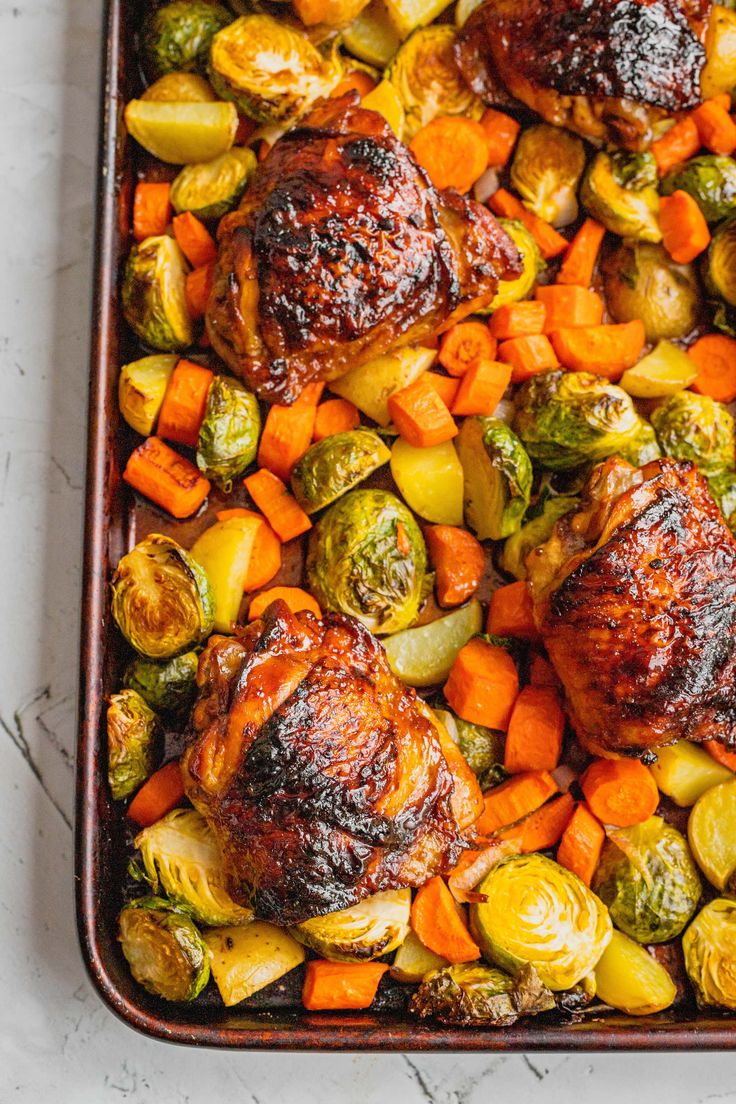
{"x":274,"y":1018}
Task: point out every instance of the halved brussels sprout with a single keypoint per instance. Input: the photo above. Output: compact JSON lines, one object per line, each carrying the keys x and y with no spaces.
{"x":164,"y":949}
{"x":228,"y":436}
{"x":665,"y":371}
{"x":166,"y":687}
{"x":620,"y":191}
{"x":180,"y":88}
{"x":182,"y":132}
{"x":335,"y":465}
{"x":132,"y":732}
{"x":723,"y":489}
{"x":423,"y":656}
{"x":631,"y":980}
{"x":711,"y":831}
{"x":368,"y":386}
{"x":539,"y":913}
{"x":154,"y":296}
{"x":430,"y":480}
{"x":719,"y":72}
{"x":413,"y":961}
{"x":696,"y":427}
{"x":428,"y":81}
{"x":497,"y":477}
{"x":711,"y":180}
{"x":648,"y":880}
{"x":709,"y":945}
{"x":641,"y":449}
{"x":566,"y":419}
{"x":178,"y":35}
{"x":224,"y":552}
{"x":546,"y":170}
{"x":367,"y":558}
{"x":684,"y":771}
{"x":642,"y":281}
{"x":161,"y":598}
{"x":512,"y":291}
{"x":246,"y":959}
{"x":211,"y":189}
{"x":535,"y":531}
{"x":476,"y":995}
{"x":181,"y":855}
{"x":270,"y":70}
{"x":375,"y":926}
{"x":372,"y":36}
{"x":719,"y":268}
{"x":141,"y":388}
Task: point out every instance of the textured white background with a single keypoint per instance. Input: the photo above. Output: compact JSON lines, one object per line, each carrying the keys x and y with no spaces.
{"x":57,"y":1041}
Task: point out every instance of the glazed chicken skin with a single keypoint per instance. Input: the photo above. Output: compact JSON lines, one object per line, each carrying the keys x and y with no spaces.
{"x":323,"y":778}
{"x":608,"y":69}
{"x":635,"y":600}
{"x":342,"y":250}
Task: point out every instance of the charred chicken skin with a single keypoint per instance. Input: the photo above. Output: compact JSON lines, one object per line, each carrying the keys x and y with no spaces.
{"x":635,"y":599}
{"x":608,"y":69}
{"x":324,"y":779}
{"x":342,"y":250}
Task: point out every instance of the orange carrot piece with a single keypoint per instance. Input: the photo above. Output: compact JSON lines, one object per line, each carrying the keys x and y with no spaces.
{"x":483,"y":684}
{"x":335,"y":416}
{"x":528,"y":356}
{"x":620,"y":791}
{"x":525,"y":319}
{"x":185,"y":401}
{"x":605,"y":350}
{"x":680,"y":143}
{"x":464,"y":344}
{"x":163,"y":791}
{"x":569,"y":305}
{"x":420,"y":415}
{"x":282,"y":510}
{"x":195,"y":240}
{"x":466,"y":801}
{"x":581,"y":255}
{"x":286,"y":436}
{"x":159,"y":473}
{"x":445,"y":386}
{"x":542,"y":673}
{"x":501,"y":132}
{"x":581,"y":844}
{"x":356,"y":80}
{"x":685,"y":232}
{"x":265,"y":560}
{"x":536,"y":728}
{"x":716,"y":128}
{"x":482,"y":387}
{"x":458,"y":561}
{"x":295,"y":598}
{"x":512,"y":800}
{"x":151,"y":210}
{"x":439,"y":925}
{"x":511,"y":612}
{"x":341,"y":985}
{"x":506,"y":205}
{"x":542,"y":829}
{"x":452,"y":150}
{"x":197,"y":290}
{"x":721,"y":754}
{"x":715,"y":358}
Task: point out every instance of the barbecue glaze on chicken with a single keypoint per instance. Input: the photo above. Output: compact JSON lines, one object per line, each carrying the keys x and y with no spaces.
{"x":324,"y":779}
{"x":342,"y":250}
{"x":635,"y":599}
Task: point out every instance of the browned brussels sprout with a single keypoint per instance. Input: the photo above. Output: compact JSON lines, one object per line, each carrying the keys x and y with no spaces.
{"x":164,"y":949}
{"x":132,"y":734}
{"x":473,"y":994}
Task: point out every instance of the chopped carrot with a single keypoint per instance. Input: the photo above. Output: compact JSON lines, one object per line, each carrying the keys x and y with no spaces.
{"x":528,"y":356}
{"x":716,"y":128}
{"x":195,"y":240}
{"x":173,"y":483}
{"x":511,"y":612}
{"x":581,"y":255}
{"x":525,"y":319}
{"x":445,"y":386}
{"x":151,"y":210}
{"x":536,"y":728}
{"x":501,"y":133}
{"x":466,"y":801}
{"x":483,"y":684}
{"x":620,"y":791}
{"x":512,"y":800}
{"x":541,"y":672}
{"x":197,"y":290}
{"x":463,"y":344}
{"x":569,"y":305}
{"x":581,"y":844}
{"x":356,"y":80}
{"x":453,"y":151}
{"x":265,"y":560}
{"x":335,"y":416}
{"x":163,"y":791}
{"x":721,"y":754}
{"x":482,"y":387}
{"x":723,"y":99}
{"x":506,"y":205}
{"x":286,"y":436}
{"x":439,"y":925}
{"x":182,"y":411}
{"x":680,"y":143}
{"x":542,"y":829}
{"x":715,"y":358}
{"x":246,"y":129}
{"x":282,"y":510}
{"x":685,"y":232}
{"x":605,"y":350}
{"x":420,"y":415}
{"x":341,"y":985}
{"x":295,"y":598}
{"x":458,"y":561}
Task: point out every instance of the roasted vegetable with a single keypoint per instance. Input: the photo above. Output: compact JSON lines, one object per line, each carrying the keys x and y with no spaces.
{"x":709,"y":945}
{"x":719,"y":73}
{"x":228,"y":436}
{"x":386,"y":101}
{"x":211,"y":189}
{"x":369,"y":385}
{"x":696,"y":427}
{"x":225,"y":551}
{"x":473,"y":994}
{"x":710,"y":180}
{"x":684,"y":771}
{"x":619,"y":190}
{"x":180,"y":88}
{"x":711,"y":831}
{"x":723,"y":489}
{"x":246,"y":959}
{"x":161,"y":598}
{"x":535,"y":531}
{"x":335,"y":465}
{"x":375,"y":926}
{"x":511,"y":291}
{"x":166,"y":687}
{"x":664,"y":371}
{"x":372,"y":36}
{"x":181,"y":855}
{"x":423,"y":656}
{"x":539,"y":913}
{"x":642,"y":281}
{"x":630,"y":979}
{"x":719,"y":268}
{"x":648,"y":880}
{"x":430,"y":480}
{"x":153,"y":294}
{"x":367,"y":558}
{"x":164,"y":949}
{"x":481,"y":747}
{"x":141,"y":388}
{"x":547,"y":166}
{"x":132,"y":731}
{"x":177,"y":36}
{"x":413,"y":961}
{"x":643,"y":448}
{"x":497,"y":477}
{"x":183,"y":132}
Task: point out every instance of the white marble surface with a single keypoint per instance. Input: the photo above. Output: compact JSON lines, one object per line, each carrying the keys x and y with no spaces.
{"x":57,"y":1041}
